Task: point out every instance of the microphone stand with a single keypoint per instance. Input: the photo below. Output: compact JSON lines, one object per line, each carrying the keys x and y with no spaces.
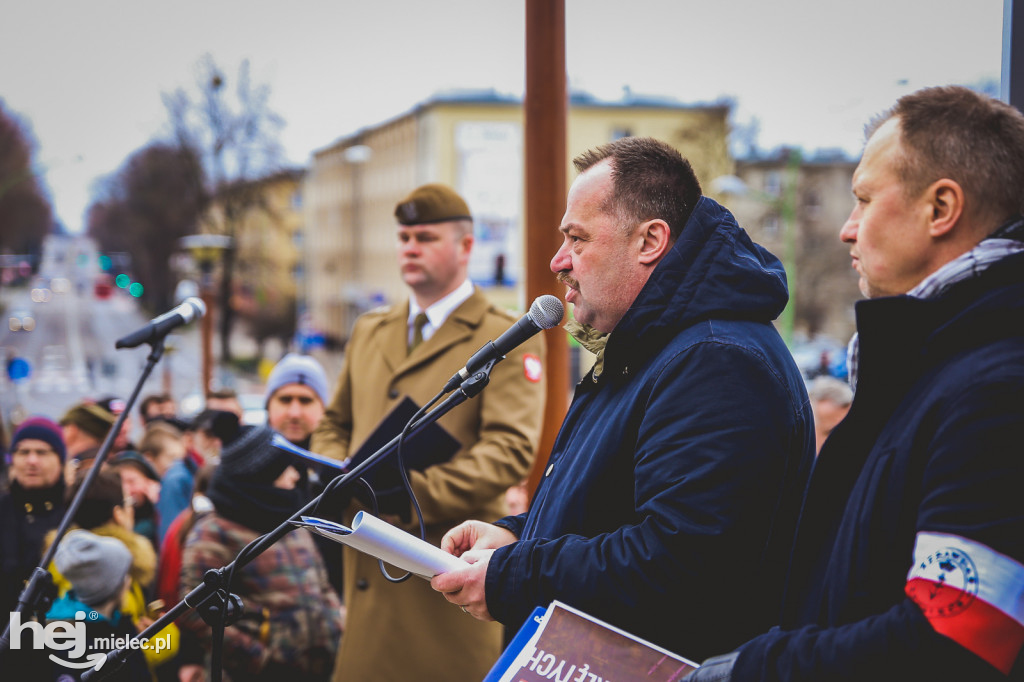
{"x":213,"y":600}
{"x":38,"y":594}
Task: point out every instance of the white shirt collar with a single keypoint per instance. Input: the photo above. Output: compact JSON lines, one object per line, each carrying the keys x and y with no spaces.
{"x":439,"y":311}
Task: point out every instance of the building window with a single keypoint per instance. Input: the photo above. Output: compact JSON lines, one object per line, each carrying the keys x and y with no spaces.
{"x":773,"y":183}
{"x":770,"y":225}
{"x":296,"y":199}
{"x":619,"y":133}
{"x":812,"y":205}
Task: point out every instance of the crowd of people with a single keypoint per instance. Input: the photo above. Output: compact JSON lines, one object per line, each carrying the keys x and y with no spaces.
{"x":159,"y":514}
{"x":701,"y":493}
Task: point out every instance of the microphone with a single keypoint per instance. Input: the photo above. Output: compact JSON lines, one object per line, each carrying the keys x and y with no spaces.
{"x":545,"y":312}
{"x":282,"y":443}
{"x":159,"y":327}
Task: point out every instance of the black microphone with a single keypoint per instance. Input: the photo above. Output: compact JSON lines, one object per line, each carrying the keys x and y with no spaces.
{"x":159,"y":327}
{"x":545,"y":313}
{"x":282,"y":443}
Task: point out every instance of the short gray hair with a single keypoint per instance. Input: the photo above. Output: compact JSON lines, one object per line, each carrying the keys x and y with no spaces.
{"x":832,"y":389}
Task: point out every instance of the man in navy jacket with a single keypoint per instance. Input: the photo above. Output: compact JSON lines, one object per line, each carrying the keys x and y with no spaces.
{"x":908,"y":560}
{"x":673,"y":488}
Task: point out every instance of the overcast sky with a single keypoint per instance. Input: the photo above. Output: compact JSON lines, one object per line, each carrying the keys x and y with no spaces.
{"x":87,"y":74}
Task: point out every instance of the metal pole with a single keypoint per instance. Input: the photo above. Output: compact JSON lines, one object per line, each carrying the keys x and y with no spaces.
{"x":546,"y":109}
{"x":1012,"y":77}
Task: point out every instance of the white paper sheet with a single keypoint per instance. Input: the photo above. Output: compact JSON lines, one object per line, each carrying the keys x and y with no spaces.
{"x":380,"y":539}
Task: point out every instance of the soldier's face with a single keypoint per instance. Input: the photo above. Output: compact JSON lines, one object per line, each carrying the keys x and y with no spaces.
{"x":433,"y":258}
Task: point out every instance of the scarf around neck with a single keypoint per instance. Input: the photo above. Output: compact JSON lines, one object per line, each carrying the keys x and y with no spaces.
{"x":1005,"y":241}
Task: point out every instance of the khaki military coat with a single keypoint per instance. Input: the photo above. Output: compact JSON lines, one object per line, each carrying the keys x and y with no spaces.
{"x":407,"y":631}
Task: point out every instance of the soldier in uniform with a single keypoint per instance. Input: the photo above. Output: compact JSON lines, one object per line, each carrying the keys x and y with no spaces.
{"x":406,"y":630}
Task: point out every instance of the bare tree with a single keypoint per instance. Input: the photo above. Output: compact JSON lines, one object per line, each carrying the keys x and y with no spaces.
{"x":235,"y":134}
{"x":152,"y":201}
{"x":26,"y":216}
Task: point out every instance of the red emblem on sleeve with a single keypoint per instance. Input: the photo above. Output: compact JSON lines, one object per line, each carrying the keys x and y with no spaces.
{"x":533,"y":369}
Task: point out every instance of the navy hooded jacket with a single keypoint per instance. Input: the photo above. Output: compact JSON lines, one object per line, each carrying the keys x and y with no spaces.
{"x":670,"y":500}
{"x":931,"y":447}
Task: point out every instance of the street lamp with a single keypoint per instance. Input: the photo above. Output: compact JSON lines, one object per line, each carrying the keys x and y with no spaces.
{"x":206,"y":250}
{"x":785,"y":204}
{"x":356,"y":156}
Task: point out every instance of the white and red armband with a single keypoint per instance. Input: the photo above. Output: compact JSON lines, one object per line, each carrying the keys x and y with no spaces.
{"x":970,"y":593}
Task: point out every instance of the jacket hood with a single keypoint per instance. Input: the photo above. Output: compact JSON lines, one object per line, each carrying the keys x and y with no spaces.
{"x":68,"y":606}
{"x":713,"y":271}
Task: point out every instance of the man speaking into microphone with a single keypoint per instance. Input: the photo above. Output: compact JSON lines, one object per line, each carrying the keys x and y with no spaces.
{"x":405,"y":631}
{"x":671,"y":495}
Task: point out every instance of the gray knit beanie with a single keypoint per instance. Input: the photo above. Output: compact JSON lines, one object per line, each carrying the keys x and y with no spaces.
{"x":94,"y":565}
{"x":298,"y":369}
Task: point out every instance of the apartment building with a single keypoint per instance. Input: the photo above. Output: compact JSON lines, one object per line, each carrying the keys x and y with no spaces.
{"x":472,"y":141}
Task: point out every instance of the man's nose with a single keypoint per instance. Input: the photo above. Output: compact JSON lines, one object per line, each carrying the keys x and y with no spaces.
{"x":848,"y":232}
{"x":560,"y":261}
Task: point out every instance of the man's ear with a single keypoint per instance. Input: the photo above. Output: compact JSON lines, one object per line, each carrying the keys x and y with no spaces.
{"x":946,"y":199}
{"x":657,"y":240}
{"x":466,"y":244}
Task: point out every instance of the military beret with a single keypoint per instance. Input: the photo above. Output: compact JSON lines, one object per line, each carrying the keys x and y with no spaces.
{"x":433,"y":203}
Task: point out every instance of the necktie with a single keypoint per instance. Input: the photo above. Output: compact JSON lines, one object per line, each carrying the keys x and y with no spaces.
{"x":417,"y":330}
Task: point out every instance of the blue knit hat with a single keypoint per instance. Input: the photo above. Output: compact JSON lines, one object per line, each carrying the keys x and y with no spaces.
{"x":40,"y":428}
{"x":298,"y":369}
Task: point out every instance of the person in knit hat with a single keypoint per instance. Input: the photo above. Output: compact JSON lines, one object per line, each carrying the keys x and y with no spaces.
{"x":33,"y":505}
{"x":296,"y":397}
{"x":293,"y":622}
{"x":98,"y":570}
{"x":84,"y":426}
{"x":106,"y":512}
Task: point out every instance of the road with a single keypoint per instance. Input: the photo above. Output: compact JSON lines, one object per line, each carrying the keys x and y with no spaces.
{"x":71,"y":349}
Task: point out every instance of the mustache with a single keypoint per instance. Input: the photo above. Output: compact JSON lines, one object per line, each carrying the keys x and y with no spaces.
{"x":567,"y":280}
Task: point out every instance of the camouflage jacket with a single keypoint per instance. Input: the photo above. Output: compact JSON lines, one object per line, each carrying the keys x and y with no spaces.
{"x":292,"y":615}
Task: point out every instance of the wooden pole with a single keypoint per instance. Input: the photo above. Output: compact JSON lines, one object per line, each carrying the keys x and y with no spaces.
{"x":546,"y":109}
{"x":207,"y":339}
